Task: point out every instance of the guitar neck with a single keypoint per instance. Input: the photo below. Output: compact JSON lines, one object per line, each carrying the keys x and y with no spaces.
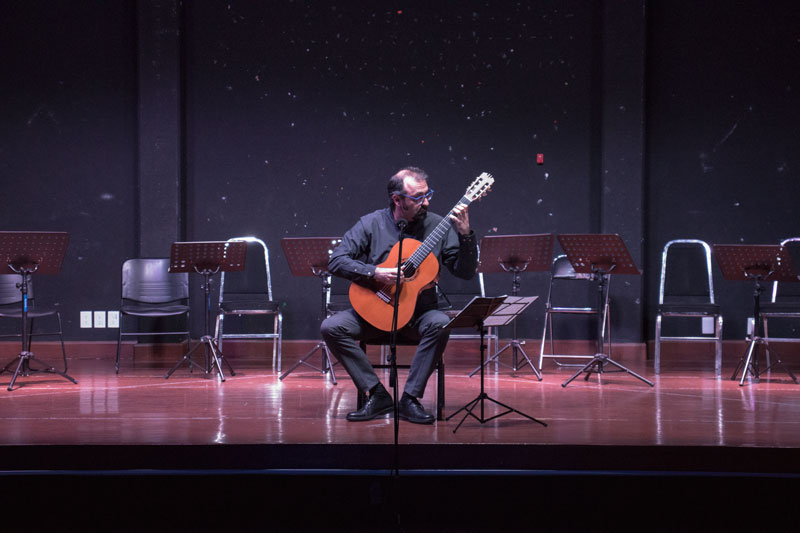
{"x":433,"y":239}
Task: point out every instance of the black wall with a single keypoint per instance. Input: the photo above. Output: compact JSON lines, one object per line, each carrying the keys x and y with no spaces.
{"x":300,"y":112}
{"x":285,"y":119}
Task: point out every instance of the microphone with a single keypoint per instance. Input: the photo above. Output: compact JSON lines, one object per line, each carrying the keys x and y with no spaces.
{"x":402,"y":225}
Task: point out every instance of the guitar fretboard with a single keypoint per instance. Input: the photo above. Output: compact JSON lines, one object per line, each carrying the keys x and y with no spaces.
{"x":436,"y":235}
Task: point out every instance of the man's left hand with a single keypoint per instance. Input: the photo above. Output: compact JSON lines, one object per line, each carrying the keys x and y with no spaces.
{"x":460,"y":218}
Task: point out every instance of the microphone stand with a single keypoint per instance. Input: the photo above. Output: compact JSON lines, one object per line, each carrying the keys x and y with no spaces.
{"x":401,"y":224}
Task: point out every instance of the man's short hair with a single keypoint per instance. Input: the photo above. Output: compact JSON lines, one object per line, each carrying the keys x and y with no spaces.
{"x":395,"y":185}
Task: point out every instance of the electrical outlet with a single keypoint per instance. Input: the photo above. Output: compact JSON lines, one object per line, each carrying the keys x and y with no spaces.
{"x":113,"y":319}
{"x":99,"y":319}
{"x":86,"y":319}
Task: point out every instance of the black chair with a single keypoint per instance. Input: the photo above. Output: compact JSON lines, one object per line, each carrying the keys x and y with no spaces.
{"x":10,"y":307}
{"x":150,"y":292}
{"x":561,"y":301}
{"x":249,"y":294}
{"x":687,"y":290}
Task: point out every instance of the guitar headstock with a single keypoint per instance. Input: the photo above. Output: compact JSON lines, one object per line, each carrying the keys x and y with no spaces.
{"x":480,"y":187}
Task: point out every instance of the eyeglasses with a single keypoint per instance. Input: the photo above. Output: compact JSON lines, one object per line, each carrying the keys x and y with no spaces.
{"x":419,"y":199}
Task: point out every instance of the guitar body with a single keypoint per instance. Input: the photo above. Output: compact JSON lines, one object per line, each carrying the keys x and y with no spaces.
{"x":375,"y":304}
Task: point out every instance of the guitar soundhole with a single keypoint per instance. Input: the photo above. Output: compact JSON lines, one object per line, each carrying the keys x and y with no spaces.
{"x":409,"y":270}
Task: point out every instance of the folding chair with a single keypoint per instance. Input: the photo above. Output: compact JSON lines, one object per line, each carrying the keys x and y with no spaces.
{"x":561,"y":301}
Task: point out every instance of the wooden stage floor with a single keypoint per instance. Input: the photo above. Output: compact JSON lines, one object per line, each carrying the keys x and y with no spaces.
{"x":687,"y":408}
{"x":611,"y":442}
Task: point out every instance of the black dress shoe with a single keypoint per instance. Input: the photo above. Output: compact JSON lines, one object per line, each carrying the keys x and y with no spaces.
{"x":411,"y":410}
{"x":379,"y":403}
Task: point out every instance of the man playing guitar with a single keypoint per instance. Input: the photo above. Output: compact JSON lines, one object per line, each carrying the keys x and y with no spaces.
{"x":360,"y":258}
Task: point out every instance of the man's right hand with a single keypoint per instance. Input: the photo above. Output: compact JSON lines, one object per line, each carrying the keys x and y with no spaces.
{"x":387,"y":276}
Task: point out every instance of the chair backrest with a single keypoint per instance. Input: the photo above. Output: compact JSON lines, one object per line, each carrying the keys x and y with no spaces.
{"x":686,"y":273}
{"x":9,"y":292}
{"x":149,"y":281}
{"x":337,"y":295}
{"x":255,"y":278}
{"x":789,"y":292}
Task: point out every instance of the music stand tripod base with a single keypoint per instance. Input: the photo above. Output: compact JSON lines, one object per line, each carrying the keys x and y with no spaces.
{"x":516,"y":347}
{"x":24,"y":369}
{"x":327,"y":362}
{"x":596,"y":366}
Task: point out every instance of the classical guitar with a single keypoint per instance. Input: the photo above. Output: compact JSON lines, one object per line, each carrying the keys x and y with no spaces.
{"x":375,"y":304}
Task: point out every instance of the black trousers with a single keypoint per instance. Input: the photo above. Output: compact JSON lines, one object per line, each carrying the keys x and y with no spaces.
{"x":344,"y":331}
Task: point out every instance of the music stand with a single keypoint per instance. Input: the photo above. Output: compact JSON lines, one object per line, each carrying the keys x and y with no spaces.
{"x":480,"y":313}
{"x":759,"y":263}
{"x":308,"y":256}
{"x":599,"y":255}
{"x":206,"y":258}
{"x":23,"y":253}
{"x":515,"y":254}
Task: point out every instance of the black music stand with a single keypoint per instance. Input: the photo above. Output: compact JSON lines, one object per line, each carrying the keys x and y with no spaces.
{"x":206,"y":258}
{"x":515,"y":254}
{"x":308,"y":256}
{"x":599,"y":255}
{"x":480,"y":313}
{"x":23,"y":253}
{"x":760,"y":263}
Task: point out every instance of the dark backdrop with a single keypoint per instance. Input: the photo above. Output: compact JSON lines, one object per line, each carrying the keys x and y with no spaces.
{"x":291,"y":116}
{"x":300,"y":112}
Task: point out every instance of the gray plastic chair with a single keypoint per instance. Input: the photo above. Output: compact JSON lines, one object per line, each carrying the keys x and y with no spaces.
{"x":149,"y":291}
